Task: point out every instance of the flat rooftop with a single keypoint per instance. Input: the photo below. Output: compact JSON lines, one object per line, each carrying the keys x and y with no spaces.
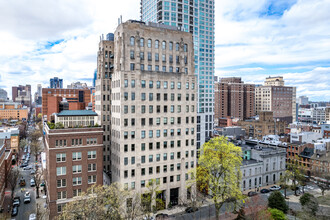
{"x":77,"y":113}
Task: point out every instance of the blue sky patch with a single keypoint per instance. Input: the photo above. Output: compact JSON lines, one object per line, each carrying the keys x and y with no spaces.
{"x":276,"y":8}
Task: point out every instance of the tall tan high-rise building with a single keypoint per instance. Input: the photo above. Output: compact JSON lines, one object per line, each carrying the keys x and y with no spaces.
{"x":153,"y":108}
{"x":234,"y":98}
{"x":104,"y":73}
{"x":274,"y":96}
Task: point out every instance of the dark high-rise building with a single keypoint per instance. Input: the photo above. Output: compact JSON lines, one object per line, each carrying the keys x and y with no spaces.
{"x":234,"y":98}
{"x":56,"y":83}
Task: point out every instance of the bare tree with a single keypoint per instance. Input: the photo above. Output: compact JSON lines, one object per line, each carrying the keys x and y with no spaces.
{"x":22,"y":144}
{"x":37,"y":180}
{"x":35,"y":148}
{"x":133,"y":209}
{"x":12,"y":179}
{"x":324,"y":181}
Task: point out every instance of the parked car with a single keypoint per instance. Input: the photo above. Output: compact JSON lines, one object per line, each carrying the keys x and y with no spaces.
{"x":27,"y":197}
{"x":32,"y":182}
{"x":265,"y":191}
{"x":274,"y":188}
{"x":16,"y":201}
{"x":251,"y":193}
{"x":23,"y":165}
{"x":191,"y":209}
{"x":23,"y":158}
{"x":27,"y":168}
{"x":14,"y":211}
{"x":33,"y":216}
{"x":33,"y":171}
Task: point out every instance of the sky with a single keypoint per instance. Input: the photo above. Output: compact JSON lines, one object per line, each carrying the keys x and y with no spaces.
{"x":254,"y":39}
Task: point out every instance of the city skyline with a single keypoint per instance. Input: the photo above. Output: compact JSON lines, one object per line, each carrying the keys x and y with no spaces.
{"x":254,"y":40}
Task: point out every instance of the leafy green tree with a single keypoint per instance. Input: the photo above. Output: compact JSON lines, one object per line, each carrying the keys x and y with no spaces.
{"x":309,"y":203}
{"x":59,"y":125}
{"x":219,"y":171}
{"x":304,"y":199}
{"x":277,"y":214}
{"x":295,"y":173}
{"x":277,"y":201}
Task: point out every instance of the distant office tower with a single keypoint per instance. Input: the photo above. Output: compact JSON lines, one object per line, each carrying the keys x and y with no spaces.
{"x":196,"y":17}
{"x":233,"y":98}
{"x":56,"y":83}
{"x":3,"y":95}
{"x":274,"y":96}
{"x":37,"y":95}
{"x":94,"y":77}
{"x":77,"y":85}
{"x":303,"y":100}
{"x":22,"y":94}
{"x":102,"y":95}
{"x":153,"y":103}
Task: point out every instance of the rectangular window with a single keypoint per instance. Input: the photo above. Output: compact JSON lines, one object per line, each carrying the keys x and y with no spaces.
{"x":158,"y":84}
{"x":76,"y":192}
{"x":76,"y":181}
{"x":91,"y":155}
{"x":76,"y":169}
{"x":143,"y":83}
{"x":76,"y":156}
{"x":132,"y":66}
{"x":91,"y":167}
{"x":61,"y":183}
{"x":61,"y":157}
{"x":61,"y":195}
{"x":143,"y":96}
{"x":60,"y":171}
{"x":143,"y":109}
{"x":91,"y":179}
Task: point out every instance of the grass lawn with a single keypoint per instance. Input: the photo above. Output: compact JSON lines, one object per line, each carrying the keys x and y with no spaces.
{"x":324,"y":200}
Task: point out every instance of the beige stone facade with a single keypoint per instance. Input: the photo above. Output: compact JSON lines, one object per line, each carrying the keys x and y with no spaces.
{"x":153,"y":109}
{"x":102,"y":95}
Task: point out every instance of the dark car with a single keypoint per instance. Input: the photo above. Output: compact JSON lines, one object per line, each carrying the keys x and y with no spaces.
{"x":191,"y":209}
{"x":251,"y":193}
{"x":23,"y":165}
{"x":16,"y":201}
{"x":265,"y":191}
{"x":161,"y":216}
{"x":14,"y":211}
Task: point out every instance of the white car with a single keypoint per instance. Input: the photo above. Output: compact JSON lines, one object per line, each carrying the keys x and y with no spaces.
{"x":27,"y":197}
{"x":32,"y":182}
{"x":33,"y":216}
{"x":32,"y":172}
{"x":274,"y":188}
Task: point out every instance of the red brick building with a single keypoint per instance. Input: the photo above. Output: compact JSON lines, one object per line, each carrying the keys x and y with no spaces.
{"x":2,"y":172}
{"x":234,"y":98}
{"x":74,"y":162}
{"x":77,"y":99}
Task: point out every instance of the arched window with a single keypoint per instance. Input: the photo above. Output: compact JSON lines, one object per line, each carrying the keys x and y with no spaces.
{"x":177,"y":46}
{"x":171,"y":46}
{"x":164,"y":45}
{"x":149,"y":43}
{"x":157,"y":44}
{"x":132,"y":41}
{"x":274,"y":177}
{"x":141,"y":42}
{"x":266,"y":179}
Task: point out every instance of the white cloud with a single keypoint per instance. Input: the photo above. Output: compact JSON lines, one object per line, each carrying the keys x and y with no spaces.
{"x":247,"y":41}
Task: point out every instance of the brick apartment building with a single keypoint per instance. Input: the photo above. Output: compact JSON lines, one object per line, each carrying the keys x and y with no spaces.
{"x":74,"y":162}
{"x":77,"y":99}
{"x":234,"y":98}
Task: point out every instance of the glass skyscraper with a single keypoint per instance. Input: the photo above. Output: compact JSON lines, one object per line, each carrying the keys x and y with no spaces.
{"x":196,"y":17}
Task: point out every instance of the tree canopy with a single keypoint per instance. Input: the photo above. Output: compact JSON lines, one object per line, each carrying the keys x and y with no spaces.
{"x":219,"y":172}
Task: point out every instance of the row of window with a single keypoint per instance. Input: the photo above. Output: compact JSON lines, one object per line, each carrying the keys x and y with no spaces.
{"x":76,"y":181}
{"x":177,"y":58}
{"x":158,"y":158}
{"x":75,"y":169}
{"x":151,"y":134}
{"x":143,"y":182}
{"x":149,"y":68}
{"x":61,"y":157}
{"x":158,"y":122}
{"x":158,"y":109}
{"x":157,"y":44}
